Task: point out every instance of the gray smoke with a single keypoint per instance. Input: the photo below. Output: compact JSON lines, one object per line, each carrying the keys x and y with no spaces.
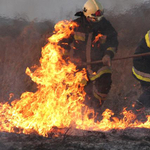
{"x":21,"y":41}
{"x":56,"y":10}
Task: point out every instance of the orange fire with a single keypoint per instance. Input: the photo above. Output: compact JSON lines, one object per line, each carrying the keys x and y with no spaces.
{"x":100,"y":37}
{"x":58,"y":102}
{"x":97,"y":38}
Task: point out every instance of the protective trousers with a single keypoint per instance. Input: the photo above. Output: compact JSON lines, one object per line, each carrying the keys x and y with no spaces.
{"x":145,"y":96}
{"x":99,"y":88}
{"x":142,"y":105}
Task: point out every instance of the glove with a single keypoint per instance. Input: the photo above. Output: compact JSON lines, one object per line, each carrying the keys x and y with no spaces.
{"x":106,"y":60}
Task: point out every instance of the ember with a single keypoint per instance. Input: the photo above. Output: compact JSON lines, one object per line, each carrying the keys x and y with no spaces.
{"x":59,"y":99}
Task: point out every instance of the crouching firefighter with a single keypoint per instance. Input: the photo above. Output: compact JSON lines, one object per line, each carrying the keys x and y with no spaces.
{"x":141,"y":71}
{"x":94,"y":39}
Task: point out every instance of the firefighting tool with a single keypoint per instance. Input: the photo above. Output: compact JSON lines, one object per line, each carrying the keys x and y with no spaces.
{"x":127,"y":57}
{"x":93,"y":10}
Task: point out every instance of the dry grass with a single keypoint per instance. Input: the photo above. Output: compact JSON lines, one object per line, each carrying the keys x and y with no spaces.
{"x":20,"y":47}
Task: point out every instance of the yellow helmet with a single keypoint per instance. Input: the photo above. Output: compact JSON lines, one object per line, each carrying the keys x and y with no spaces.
{"x":93,"y":10}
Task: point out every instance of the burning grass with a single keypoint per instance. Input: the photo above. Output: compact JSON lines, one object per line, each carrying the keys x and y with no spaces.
{"x":58,"y":100}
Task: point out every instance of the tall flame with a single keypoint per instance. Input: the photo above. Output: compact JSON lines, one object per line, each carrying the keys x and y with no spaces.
{"x":59,"y":98}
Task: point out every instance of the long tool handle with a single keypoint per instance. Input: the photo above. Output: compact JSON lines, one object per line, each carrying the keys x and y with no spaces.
{"x":121,"y":58}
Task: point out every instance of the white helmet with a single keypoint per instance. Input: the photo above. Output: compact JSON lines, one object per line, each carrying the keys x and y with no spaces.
{"x":93,"y":10}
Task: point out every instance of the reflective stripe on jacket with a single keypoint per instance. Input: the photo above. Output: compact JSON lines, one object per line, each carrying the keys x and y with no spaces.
{"x":141,"y":65}
{"x":147,"y":39}
{"x":91,"y":41}
{"x":141,"y":75}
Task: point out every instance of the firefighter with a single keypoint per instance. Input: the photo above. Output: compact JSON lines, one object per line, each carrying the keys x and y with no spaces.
{"x":94,"y":39}
{"x":141,"y":71}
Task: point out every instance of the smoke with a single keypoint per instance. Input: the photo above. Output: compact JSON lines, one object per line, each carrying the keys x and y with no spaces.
{"x":21,"y":41}
{"x":121,"y":6}
{"x":57,"y":10}
{"x":21,"y":44}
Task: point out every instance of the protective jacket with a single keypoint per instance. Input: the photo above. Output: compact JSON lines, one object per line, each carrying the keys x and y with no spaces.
{"x":91,"y":41}
{"x":141,"y":65}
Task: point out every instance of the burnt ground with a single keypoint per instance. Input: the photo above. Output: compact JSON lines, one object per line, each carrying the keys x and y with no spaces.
{"x":128,"y":139}
{"x":20,"y":47}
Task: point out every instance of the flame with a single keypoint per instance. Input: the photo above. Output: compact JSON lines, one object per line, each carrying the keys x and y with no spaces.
{"x":101,"y":37}
{"x":58,"y":102}
{"x":97,"y":38}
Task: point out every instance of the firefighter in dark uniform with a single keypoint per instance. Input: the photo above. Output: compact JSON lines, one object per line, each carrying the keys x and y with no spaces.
{"x":94,"y":39}
{"x":141,"y":71}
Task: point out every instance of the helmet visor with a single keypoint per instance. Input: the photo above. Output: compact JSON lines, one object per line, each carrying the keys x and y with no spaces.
{"x":98,"y":13}
{"x":96,"y":16}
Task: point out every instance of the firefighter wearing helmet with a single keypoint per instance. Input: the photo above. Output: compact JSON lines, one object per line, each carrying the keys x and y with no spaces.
{"x":94,"y":39}
{"x":141,"y":72}
{"x":93,"y":10}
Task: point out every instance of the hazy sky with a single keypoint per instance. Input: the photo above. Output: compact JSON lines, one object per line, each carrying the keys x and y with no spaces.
{"x":57,"y":9}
